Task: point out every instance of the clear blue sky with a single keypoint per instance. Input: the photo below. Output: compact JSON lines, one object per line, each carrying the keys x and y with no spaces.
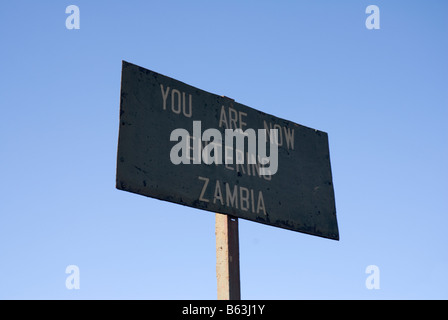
{"x":381,"y":95}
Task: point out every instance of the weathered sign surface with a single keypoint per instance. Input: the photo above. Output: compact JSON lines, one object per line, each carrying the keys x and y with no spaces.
{"x":299,"y":196}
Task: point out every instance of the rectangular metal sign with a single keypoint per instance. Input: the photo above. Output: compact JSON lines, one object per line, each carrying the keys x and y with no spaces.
{"x":156,"y":159}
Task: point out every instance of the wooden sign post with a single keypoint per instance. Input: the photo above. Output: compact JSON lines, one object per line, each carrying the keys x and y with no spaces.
{"x":227,"y":257}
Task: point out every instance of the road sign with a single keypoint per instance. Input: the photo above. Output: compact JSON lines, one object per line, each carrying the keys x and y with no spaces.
{"x":298,"y":194}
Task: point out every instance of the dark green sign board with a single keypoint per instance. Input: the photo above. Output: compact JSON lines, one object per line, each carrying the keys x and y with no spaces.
{"x":298,"y":195}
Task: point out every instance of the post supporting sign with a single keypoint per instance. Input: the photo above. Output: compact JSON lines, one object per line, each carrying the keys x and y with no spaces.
{"x":184,"y":145}
{"x":227,"y":257}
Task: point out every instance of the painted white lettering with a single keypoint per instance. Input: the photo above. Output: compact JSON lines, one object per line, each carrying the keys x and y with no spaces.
{"x":204,"y":187}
